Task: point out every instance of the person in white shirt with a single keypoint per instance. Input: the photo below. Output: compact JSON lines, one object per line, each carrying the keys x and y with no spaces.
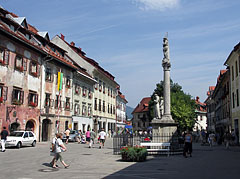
{"x":58,"y":149}
{"x":102,"y":137}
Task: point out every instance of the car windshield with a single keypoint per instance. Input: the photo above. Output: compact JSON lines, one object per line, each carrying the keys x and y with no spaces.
{"x":72,"y":132}
{"x":16,"y":134}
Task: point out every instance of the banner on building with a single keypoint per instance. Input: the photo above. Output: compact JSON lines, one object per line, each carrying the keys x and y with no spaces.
{"x":60,"y":79}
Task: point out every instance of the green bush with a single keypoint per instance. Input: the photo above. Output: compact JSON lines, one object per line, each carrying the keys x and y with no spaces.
{"x":134,"y":154}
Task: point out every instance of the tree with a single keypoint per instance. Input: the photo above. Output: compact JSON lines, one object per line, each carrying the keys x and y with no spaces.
{"x":182,"y":106}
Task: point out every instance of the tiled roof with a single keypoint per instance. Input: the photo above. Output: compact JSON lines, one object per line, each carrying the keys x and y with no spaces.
{"x":142,"y":106}
{"x":200,"y":106}
{"x":122,"y":96}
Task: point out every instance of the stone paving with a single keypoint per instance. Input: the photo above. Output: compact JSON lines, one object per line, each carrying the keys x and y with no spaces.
{"x":31,"y":163}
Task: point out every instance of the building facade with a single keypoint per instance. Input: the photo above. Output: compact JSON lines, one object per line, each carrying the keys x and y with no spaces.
{"x":210,"y":110}
{"x":121,"y":111}
{"x":201,"y":116}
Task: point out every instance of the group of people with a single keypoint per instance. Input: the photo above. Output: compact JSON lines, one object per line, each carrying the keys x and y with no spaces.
{"x":57,"y":145}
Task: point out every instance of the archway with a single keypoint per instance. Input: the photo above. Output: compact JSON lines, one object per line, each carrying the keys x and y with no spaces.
{"x":30,"y":126}
{"x":14,"y":126}
{"x":45,"y":129}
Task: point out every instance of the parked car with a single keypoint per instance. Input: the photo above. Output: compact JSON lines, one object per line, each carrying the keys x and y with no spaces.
{"x":21,"y":138}
{"x":72,"y":136}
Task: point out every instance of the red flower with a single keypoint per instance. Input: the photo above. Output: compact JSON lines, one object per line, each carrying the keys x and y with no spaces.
{"x":1,"y":99}
{"x":146,"y":139}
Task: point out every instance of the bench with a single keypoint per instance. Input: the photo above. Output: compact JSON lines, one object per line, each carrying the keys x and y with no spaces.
{"x":164,"y":146}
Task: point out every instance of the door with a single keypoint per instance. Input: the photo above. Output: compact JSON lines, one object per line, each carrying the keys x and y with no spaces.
{"x":26,"y":140}
{"x":45,"y":129}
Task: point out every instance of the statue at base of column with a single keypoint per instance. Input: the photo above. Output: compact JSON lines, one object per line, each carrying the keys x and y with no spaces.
{"x":157,"y":113}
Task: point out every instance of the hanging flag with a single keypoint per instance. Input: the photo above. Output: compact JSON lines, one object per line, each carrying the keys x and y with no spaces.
{"x":60,"y":78}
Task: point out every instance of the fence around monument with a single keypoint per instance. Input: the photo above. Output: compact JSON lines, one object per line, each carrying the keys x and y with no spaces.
{"x":123,"y":140}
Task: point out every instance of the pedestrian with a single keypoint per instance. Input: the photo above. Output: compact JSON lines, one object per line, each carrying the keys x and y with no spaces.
{"x":53,"y":150}
{"x":187,"y":144}
{"x":92,"y":137}
{"x":60,"y":147}
{"x":211,"y":139}
{"x":4,"y":135}
{"x":102,"y":137}
{"x":227,"y":139}
{"x":88,"y":136}
{"x":79,"y":137}
{"x":67,"y":133}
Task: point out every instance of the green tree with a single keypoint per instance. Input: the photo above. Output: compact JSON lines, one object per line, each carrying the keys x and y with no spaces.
{"x":182,"y":106}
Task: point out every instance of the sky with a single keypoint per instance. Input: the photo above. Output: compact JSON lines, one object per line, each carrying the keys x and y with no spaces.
{"x":125,"y":37}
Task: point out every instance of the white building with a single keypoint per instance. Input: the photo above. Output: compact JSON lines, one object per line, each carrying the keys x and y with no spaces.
{"x":121,"y":111}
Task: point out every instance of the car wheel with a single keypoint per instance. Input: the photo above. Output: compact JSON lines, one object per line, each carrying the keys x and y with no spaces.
{"x":34,"y":143}
{"x":19,"y":145}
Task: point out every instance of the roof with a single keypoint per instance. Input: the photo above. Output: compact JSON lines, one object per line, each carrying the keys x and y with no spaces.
{"x":200,"y":106}
{"x":122,"y":96}
{"x":11,"y":18}
{"x":142,"y":106}
{"x":236,"y":47}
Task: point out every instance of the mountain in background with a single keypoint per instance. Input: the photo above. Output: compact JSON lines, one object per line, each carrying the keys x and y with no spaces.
{"x":129,"y":110}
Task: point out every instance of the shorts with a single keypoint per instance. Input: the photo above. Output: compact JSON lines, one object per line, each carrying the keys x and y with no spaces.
{"x":67,"y":137}
{"x":88,"y":139}
{"x":102,"y":140}
{"x":58,"y":156}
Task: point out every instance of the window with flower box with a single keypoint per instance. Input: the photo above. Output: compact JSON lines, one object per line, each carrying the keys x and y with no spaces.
{"x":67,"y":104}
{"x":48,"y":75}
{"x":76,"y":108}
{"x":48,"y":102}
{"x":3,"y":93}
{"x":89,"y":94}
{"x":58,"y":102}
{"x":77,"y":89}
{"x":17,"y":96}
{"x":20,"y":63}
{"x":68,"y":82}
{"x":33,"y":99}
{"x":34,"y":69}
{"x":4,"y":56}
{"x":84,"y":93}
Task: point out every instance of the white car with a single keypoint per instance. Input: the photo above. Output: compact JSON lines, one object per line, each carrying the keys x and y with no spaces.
{"x":21,"y":138}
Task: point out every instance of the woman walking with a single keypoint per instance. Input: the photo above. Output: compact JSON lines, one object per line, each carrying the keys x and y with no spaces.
{"x":187,"y":145}
{"x":59,"y":148}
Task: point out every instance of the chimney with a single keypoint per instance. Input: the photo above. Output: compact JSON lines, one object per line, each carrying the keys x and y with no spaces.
{"x":80,"y":48}
{"x":62,"y":37}
{"x":72,"y":44}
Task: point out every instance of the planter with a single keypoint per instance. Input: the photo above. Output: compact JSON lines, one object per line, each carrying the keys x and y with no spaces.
{"x":134,"y":154}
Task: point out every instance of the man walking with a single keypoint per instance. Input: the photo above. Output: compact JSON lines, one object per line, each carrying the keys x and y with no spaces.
{"x":67,"y":133}
{"x":92,"y":137}
{"x":102,"y":137}
{"x":4,"y":135}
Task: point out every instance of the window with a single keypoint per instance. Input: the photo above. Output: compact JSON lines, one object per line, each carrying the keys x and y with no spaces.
{"x":33,"y":69}
{"x":20,"y":63}
{"x":84,"y":91}
{"x":17,"y":96}
{"x":31,"y":134}
{"x":236,"y":69}
{"x":100,"y":85}
{"x":4,"y":57}
{"x":103,"y":106}
{"x":84,"y":109}
{"x":58,"y":102}
{"x":77,"y":89}
{"x":108,"y":109}
{"x":237,"y":98}
{"x":99,"y":105}
{"x":3,"y":93}
{"x":233,"y":100}
{"x":68,"y":82}
{"x":111,"y":92}
{"x":96,"y":85}
{"x":239,"y":64}
{"x":67,"y":105}
{"x":76,"y":108}
{"x":48,"y":100}
{"x":48,"y":74}
{"x":33,"y":99}
{"x":113,"y":109}
{"x":104,"y":90}
{"x":89,"y":94}
{"x":95,"y":104}
{"x":232,"y":73}
{"x":108,"y":91}
{"x":89,"y":109}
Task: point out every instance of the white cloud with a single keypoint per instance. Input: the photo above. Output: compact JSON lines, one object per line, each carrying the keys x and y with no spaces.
{"x":159,"y":5}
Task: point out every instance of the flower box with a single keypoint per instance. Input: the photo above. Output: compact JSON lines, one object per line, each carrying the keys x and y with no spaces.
{"x":33,"y":104}
{"x":34,"y":74}
{"x":2,"y":62}
{"x":1,"y":100}
{"x":134,"y":154}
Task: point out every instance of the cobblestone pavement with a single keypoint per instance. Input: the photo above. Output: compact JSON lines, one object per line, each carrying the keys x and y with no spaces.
{"x":31,"y":163}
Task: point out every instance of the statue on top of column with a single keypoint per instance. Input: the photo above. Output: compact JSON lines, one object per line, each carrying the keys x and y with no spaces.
{"x":166,"y":58}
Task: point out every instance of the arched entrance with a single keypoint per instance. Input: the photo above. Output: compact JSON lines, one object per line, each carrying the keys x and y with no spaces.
{"x":14,"y":126}
{"x":46,"y":129}
{"x":30,"y":126}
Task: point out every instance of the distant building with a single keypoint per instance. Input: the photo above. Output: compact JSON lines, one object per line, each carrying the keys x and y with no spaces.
{"x":121,"y":111}
{"x":210,"y":109}
{"x":141,"y":118}
{"x":201,"y":119}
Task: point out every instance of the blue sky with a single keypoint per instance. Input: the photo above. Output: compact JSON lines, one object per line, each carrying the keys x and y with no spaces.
{"x":125,"y":37}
